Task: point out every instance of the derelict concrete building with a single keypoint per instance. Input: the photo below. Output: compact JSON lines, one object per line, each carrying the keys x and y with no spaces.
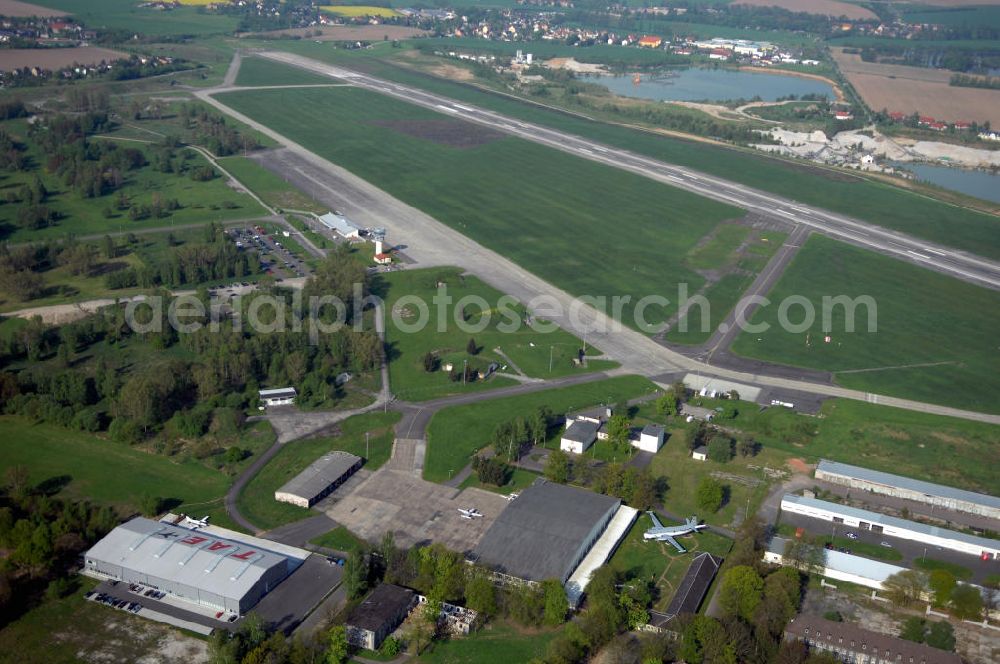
{"x":319,"y":480}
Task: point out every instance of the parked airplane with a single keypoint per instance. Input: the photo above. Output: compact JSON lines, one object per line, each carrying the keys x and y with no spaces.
{"x":471,"y":513}
{"x":662,"y":533}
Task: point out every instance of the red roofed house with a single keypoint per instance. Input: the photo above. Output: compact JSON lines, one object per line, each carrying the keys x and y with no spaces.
{"x":896,"y":116}
{"x":843,"y":115}
{"x":383,"y":259}
{"x":962,"y":124}
{"x":650,"y":41}
{"x":926,"y":120}
{"x":938,"y":126}
{"x":718,"y":54}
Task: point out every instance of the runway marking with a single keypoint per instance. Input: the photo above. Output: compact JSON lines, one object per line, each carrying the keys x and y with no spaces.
{"x":918,"y":256}
{"x":935,"y":251}
{"x":447,"y":108}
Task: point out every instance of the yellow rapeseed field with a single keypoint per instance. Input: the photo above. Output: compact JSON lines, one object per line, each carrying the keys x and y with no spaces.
{"x":359,"y":10}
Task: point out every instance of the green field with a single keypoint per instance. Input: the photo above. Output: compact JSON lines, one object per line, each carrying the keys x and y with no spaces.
{"x":526,"y":348}
{"x":257,"y":502}
{"x":850,"y":194}
{"x":108,"y":473}
{"x":931,"y":564}
{"x":972,"y":16}
{"x":339,"y":539}
{"x":924,"y":318}
{"x":259,"y":71}
{"x":200,"y":202}
{"x":495,"y":643}
{"x":519,"y":479}
{"x":659,"y":562}
{"x":127,"y":15}
{"x":275,"y":191}
{"x":927,"y":447}
{"x":58,"y":631}
{"x":568,"y":214}
{"x":455,"y":433}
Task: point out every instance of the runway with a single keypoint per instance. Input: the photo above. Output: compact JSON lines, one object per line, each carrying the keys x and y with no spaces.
{"x":940,"y":258}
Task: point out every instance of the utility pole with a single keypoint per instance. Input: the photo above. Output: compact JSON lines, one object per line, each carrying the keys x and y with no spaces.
{"x":550,"y":357}
{"x":367,"y":454}
{"x":465,"y":370}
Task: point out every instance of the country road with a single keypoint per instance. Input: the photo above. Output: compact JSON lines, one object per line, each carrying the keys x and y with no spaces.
{"x":431,"y":242}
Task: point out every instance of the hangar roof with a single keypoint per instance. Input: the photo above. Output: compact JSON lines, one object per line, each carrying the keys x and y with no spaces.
{"x":225,"y":567}
{"x":886,"y":520}
{"x":890,"y":480}
{"x":320,"y":474}
{"x":540,"y":531}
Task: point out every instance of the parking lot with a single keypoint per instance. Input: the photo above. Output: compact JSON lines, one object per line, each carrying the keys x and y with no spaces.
{"x":416,"y":511}
{"x":911,"y":550}
{"x":274,"y":257}
{"x":282,"y":609}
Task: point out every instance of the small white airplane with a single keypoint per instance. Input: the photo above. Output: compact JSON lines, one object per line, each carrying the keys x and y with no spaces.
{"x":662,"y":533}
{"x":471,"y":513}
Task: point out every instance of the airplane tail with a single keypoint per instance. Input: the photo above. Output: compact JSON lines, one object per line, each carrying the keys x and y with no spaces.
{"x":692,"y":522}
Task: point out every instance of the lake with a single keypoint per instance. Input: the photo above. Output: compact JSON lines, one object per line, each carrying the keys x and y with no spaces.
{"x":981,"y":184}
{"x":702,"y":84}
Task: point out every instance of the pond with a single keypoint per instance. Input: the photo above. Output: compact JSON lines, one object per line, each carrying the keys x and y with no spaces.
{"x":981,"y":184}
{"x":709,"y":84}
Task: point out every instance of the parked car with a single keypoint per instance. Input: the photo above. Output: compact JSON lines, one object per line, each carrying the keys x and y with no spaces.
{"x":852,"y":536}
{"x":885,"y":544}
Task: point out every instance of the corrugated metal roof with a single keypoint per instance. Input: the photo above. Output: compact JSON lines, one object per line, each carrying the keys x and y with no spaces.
{"x":692,"y":588}
{"x":277,"y":392}
{"x":885,"y":520}
{"x":225,"y":567}
{"x":339,"y":223}
{"x":847,"y":563}
{"x":537,"y":535}
{"x":888,"y":479}
{"x":320,"y":474}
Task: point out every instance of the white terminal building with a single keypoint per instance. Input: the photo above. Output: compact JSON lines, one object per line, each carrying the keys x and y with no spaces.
{"x":918,"y":491}
{"x":193,"y":565}
{"x":891,"y":526}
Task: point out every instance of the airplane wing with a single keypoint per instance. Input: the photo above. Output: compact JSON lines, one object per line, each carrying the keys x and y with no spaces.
{"x":674,"y":543}
{"x":656,"y":522}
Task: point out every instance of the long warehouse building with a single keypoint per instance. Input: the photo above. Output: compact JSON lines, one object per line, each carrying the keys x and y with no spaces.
{"x":891,"y":526}
{"x":918,"y":491}
{"x":192,"y":565}
{"x":319,"y":480}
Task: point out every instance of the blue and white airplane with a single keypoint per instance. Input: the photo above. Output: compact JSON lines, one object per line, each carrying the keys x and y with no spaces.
{"x":662,"y":533}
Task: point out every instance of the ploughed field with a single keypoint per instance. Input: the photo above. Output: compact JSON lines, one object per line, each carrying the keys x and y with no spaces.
{"x":588,"y":228}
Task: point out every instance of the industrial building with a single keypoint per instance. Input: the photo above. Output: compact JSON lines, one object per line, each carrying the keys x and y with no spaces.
{"x":319,"y":480}
{"x":280,"y":396}
{"x":341,"y":225}
{"x":379,"y":615}
{"x":891,"y":526}
{"x":839,"y":566}
{"x":545,"y":532}
{"x":650,"y":438}
{"x":694,"y":586}
{"x":195,"y":566}
{"x":918,"y":491}
{"x":849,"y":643}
